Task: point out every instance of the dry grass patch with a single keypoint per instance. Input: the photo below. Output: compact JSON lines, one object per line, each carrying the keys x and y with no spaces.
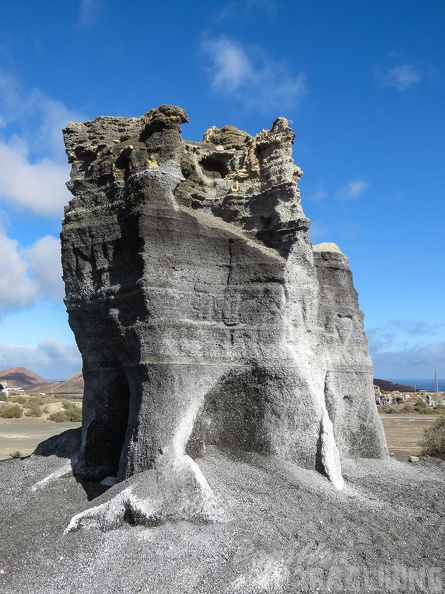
{"x":434,"y":438}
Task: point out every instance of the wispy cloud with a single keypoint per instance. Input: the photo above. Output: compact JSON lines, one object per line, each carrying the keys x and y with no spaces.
{"x":251,"y":77}
{"x":405,"y":75}
{"x":89,"y":12}
{"x":406,"y":348}
{"x":396,"y":334}
{"x":231,"y":10}
{"x":318,"y":231}
{"x":354,"y":189}
{"x":51,"y":359}
{"x":411,"y":362}
{"x":317,"y":195}
{"x":401,"y":77}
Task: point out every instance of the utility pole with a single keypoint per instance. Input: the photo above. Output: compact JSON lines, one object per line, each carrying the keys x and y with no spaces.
{"x":436,"y":380}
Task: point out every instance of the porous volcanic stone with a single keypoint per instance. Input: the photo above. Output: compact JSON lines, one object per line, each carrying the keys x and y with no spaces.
{"x":203,"y":314}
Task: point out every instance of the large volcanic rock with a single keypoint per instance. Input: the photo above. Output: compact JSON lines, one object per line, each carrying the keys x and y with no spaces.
{"x":202,"y":313}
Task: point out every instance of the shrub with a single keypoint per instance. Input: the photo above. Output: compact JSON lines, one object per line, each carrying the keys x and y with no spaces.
{"x":428,"y":410}
{"x":75,"y":415}
{"x":67,"y":405}
{"x":434,"y":438}
{"x":18,"y":399}
{"x":439,"y":408}
{"x":35,"y":400}
{"x":409,"y":408}
{"x":11,"y":411}
{"x":59,"y":417}
{"x":420,"y":404}
{"x":16,"y":454}
{"x":386,"y":408}
{"x":65,"y":416}
{"x":33,"y":411}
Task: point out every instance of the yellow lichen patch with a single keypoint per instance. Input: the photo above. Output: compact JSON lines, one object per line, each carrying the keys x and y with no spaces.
{"x":116,"y":172}
{"x":152,"y":162}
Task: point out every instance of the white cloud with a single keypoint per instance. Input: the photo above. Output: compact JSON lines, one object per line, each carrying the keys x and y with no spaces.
{"x":53,"y":117}
{"x":39,"y":186}
{"x":252,"y":77}
{"x":36,"y":117}
{"x":29,"y":274}
{"x":16,"y":288}
{"x":232,"y":67}
{"x":49,"y":359}
{"x":354,"y":189}
{"x":33,"y":165}
{"x":44,"y":263}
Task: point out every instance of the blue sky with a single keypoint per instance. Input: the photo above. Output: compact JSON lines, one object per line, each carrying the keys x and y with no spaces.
{"x":363,"y":82}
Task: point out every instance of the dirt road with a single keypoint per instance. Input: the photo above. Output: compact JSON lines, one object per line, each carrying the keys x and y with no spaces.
{"x":403,"y":434}
{"x":24,"y":437}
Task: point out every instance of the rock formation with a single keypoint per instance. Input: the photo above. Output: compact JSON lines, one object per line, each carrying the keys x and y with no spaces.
{"x":203,"y":314}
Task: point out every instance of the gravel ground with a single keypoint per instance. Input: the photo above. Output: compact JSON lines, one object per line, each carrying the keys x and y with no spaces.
{"x":281,"y":529}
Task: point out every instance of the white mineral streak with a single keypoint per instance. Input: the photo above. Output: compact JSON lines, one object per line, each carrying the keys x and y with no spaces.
{"x":64,"y":470}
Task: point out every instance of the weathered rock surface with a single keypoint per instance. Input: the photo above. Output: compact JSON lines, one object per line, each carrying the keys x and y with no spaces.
{"x":203,"y":314}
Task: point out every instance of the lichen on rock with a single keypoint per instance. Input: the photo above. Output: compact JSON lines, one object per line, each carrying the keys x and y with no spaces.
{"x":202,"y":312}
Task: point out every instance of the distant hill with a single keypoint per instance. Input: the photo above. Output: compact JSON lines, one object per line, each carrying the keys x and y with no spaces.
{"x":73,"y":385}
{"x":390,"y":387}
{"x":20,"y":377}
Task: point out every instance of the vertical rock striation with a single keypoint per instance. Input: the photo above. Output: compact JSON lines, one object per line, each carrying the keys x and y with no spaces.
{"x":202,"y":312}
